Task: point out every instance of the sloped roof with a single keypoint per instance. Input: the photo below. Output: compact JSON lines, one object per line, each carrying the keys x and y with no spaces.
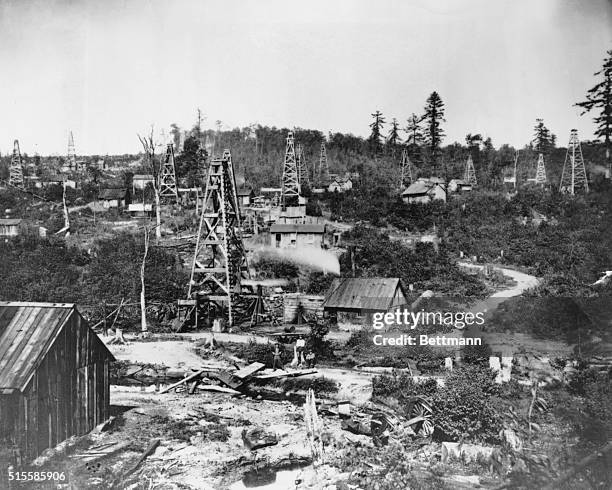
{"x":142,"y":177}
{"x":27,"y":332}
{"x":362,"y":293}
{"x":416,"y":188}
{"x":297,"y":228}
{"x":244,"y":192}
{"x":112,"y":194}
{"x":10,"y":221}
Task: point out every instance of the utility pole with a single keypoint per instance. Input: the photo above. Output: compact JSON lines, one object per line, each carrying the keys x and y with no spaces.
{"x":219,"y":261}
{"x":290,"y":193}
{"x":16,"y":168}
{"x":516,"y":157}
{"x":541,"y":171}
{"x":574,"y":177}
{"x":406,"y":170}
{"x":167,"y":185}
{"x":470,"y":172}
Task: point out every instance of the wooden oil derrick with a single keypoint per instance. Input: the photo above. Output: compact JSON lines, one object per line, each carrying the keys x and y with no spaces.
{"x":167,"y":178}
{"x":574,"y":177}
{"x":540,"y":171}
{"x":71,"y":155}
{"x":290,"y":194}
{"x":406,"y":170}
{"x":219,"y":261}
{"x":16,"y":168}
{"x":470,"y":172}
{"x":301,"y":167}
{"x":323,"y":165}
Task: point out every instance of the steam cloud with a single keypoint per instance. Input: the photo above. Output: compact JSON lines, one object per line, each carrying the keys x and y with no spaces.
{"x":310,"y":256}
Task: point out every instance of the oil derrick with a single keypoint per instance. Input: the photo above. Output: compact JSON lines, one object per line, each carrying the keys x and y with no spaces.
{"x":71,"y":155}
{"x":219,"y":262}
{"x":167,"y":178}
{"x":406,"y":170}
{"x":323,"y":166}
{"x":541,"y":171}
{"x":301,"y":166}
{"x":574,"y":177}
{"x":290,"y":194}
{"x":470,"y":172}
{"x":16,"y":168}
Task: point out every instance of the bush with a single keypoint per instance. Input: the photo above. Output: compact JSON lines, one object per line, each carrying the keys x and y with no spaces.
{"x":275,"y":268}
{"x":463,"y":409}
{"x":402,"y":386}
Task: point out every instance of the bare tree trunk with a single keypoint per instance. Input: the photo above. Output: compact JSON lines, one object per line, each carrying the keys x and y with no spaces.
{"x":157,"y":215}
{"x":143,"y":305}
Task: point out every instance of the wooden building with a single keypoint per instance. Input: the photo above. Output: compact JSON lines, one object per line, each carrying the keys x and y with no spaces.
{"x":297,"y":235}
{"x":54,"y":378}
{"x":10,"y":227}
{"x":114,"y":198}
{"x":424,"y":190}
{"x":245,"y":196}
{"x":354,"y":300}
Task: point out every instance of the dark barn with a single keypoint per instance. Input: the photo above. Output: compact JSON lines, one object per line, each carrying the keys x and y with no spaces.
{"x":54,"y":378}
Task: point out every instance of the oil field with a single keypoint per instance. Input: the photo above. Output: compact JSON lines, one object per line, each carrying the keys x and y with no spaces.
{"x":420,"y":300}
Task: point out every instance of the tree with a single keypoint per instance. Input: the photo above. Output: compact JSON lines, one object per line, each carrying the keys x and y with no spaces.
{"x":414,"y":131}
{"x":376,"y":134}
{"x":393,"y":138}
{"x":543,"y":139}
{"x":600,"y":98}
{"x":434,"y":115}
{"x":154,"y":165}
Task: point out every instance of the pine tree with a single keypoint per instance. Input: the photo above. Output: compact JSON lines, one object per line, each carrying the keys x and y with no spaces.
{"x":543,"y":139}
{"x":393,"y":138}
{"x":414,"y":131}
{"x":599,"y":98}
{"x":434,"y":115}
{"x":376,"y":134}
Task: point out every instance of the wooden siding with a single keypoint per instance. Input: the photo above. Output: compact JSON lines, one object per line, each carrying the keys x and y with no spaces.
{"x":67,"y":395}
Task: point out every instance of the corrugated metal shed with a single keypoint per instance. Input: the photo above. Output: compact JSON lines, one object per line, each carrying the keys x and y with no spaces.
{"x":297,"y":228}
{"x":27,"y":331}
{"x":362,"y":293}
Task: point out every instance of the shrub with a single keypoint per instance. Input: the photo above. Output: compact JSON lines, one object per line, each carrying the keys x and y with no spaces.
{"x":463,"y":409}
{"x":402,"y":386}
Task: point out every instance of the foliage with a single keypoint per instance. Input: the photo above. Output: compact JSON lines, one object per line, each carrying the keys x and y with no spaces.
{"x":402,"y":386}
{"x":463,"y":410}
{"x":543,"y":139}
{"x":319,"y":282}
{"x":268,"y":267}
{"x":433,"y":116}
{"x":600,"y":98}
{"x":316,"y":341}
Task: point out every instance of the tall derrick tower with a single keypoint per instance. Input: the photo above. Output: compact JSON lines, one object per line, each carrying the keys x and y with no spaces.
{"x":323,"y":165}
{"x":71,"y":154}
{"x":406,"y":170}
{"x":470,"y":172}
{"x":540,"y":177}
{"x":290,"y":193}
{"x":167,"y":178}
{"x":16,"y":168}
{"x":219,"y":261}
{"x":574,"y":177}
{"x":301,"y":166}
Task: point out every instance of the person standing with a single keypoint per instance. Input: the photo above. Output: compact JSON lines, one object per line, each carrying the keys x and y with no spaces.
{"x":276,"y":359}
{"x":300,"y":346}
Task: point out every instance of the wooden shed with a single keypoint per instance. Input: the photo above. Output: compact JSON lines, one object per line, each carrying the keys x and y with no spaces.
{"x":54,"y":378}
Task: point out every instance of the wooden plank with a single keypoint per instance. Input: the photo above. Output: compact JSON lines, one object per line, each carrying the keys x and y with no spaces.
{"x":183,"y":381}
{"x":219,"y":389}
{"x":250,"y":370}
{"x":287,"y":374}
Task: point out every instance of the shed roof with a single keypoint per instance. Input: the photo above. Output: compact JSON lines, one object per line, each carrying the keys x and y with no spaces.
{"x":244,"y":192}
{"x":27,"y":332}
{"x":10,"y":221}
{"x":297,"y":228}
{"x":112,"y":194}
{"x":142,"y":177}
{"x":362,"y":293}
{"x":417,"y":188}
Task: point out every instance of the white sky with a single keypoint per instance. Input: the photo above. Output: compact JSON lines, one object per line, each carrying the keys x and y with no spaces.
{"x":108,"y":69}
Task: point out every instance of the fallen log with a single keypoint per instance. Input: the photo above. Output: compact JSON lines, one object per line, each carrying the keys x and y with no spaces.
{"x":287,"y":374}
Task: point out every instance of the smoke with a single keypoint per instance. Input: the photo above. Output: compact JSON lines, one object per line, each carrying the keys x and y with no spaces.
{"x":269,"y":283}
{"x":598,"y":169}
{"x":313,"y":257}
